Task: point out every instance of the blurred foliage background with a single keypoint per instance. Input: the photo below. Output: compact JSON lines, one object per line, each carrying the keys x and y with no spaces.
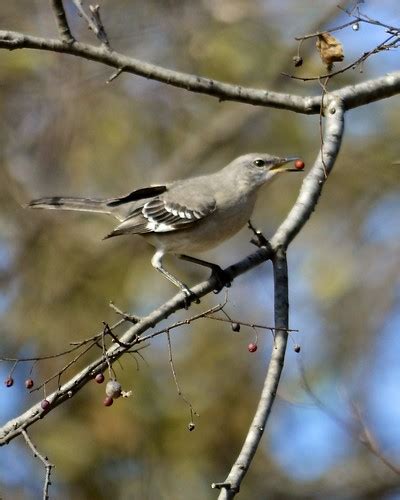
{"x":64,"y":130}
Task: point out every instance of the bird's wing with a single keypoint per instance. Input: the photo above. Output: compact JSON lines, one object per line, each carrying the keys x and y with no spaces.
{"x":175,"y":209}
{"x":138,"y":194}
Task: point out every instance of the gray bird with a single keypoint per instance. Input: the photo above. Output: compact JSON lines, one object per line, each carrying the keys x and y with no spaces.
{"x":185,"y":216}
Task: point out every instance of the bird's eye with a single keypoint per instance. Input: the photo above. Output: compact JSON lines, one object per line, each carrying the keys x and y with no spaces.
{"x":259,"y":162}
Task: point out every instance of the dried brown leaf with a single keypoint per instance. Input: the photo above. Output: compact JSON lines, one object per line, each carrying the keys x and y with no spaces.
{"x":330,"y":49}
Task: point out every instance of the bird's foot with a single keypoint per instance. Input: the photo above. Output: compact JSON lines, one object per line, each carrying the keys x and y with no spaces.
{"x":221,"y":277}
{"x":189,"y":297}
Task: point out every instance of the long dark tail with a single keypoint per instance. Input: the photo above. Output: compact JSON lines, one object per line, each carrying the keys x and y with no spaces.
{"x":79,"y":204}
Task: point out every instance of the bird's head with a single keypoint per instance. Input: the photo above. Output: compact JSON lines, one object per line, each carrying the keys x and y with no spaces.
{"x":256,"y":169}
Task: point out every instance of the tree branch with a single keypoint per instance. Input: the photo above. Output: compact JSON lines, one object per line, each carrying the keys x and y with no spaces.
{"x":131,"y":338}
{"x":62,"y":22}
{"x":316,"y":178}
{"x":332,"y":106}
{"x":230,"y":487}
{"x":224,"y":91}
{"x":352,"y":96}
{"x":297,"y":217}
{"x":47,"y":465}
{"x":93,"y":21}
{"x":369,"y":91}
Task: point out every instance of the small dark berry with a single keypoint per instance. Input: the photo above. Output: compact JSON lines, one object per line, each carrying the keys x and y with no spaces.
{"x":235,"y":327}
{"x":252,"y":347}
{"x":108,"y":401}
{"x":45,"y":404}
{"x":297,"y":61}
{"x":29,"y":383}
{"x":9,"y":382}
{"x":99,"y":378}
{"x":297,"y":348}
{"x":299,"y":164}
{"x":191,"y":426}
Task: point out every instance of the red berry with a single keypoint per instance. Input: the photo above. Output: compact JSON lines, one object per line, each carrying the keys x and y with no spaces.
{"x":45,"y":404}
{"x":108,"y":401}
{"x":99,"y":378}
{"x":252,"y":347}
{"x":299,"y":164}
{"x":9,"y":382}
{"x":29,"y":383}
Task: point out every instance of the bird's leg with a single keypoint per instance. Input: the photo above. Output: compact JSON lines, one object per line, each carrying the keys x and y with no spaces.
{"x":222,"y":278}
{"x":156,"y":262}
{"x":259,"y":239}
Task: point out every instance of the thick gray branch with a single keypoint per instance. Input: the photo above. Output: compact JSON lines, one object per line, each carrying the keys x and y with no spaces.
{"x":363,"y":93}
{"x":352,"y":96}
{"x":224,"y":91}
{"x":298,"y":216}
{"x":316,"y":178}
{"x":281,"y":311}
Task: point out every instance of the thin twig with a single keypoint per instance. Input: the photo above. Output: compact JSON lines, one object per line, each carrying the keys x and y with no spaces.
{"x":186,"y":321}
{"x":178,"y":389}
{"x":94,"y":21}
{"x":98,"y":336}
{"x":127,"y":317}
{"x":387,"y":44}
{"x":250,"y":325}
{"x":109,"y":332}
{"x":48,"y":466}
{"x":115,"y":75}
{"x":101,"y":35}
{"x":259,"y":240}
{"x":356,"y":429}
{"x":331,"y":30}
{"x":106,"y":357}
{"x":368,"y":439}
{"x":366,"y":19}
{"x":59,"y":373}
{"x":41,"y":358}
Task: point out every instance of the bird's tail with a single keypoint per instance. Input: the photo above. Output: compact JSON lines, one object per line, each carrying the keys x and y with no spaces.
{"x":65,"y":203}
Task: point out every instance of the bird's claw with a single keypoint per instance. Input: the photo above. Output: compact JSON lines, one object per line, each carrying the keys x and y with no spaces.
{"x":221,"y":277}
{"x":190,"y":297}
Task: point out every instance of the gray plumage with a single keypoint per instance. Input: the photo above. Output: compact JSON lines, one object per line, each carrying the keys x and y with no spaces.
{"x":187,"y":215}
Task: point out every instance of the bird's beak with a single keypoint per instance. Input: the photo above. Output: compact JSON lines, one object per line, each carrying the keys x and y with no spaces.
{"x":279,"y":165}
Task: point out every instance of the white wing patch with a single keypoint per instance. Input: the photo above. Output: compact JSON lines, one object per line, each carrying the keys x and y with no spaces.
{"x":163,"y":217}
{"x":158,"y":227}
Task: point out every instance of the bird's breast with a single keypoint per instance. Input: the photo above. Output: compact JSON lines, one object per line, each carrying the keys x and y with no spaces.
{"x":229,"y":217}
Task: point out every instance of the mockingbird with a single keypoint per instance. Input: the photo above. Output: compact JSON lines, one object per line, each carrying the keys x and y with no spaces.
{"x":184,"y":216}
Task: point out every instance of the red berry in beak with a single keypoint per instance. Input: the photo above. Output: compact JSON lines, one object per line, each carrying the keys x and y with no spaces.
{"x":299,"y":164}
